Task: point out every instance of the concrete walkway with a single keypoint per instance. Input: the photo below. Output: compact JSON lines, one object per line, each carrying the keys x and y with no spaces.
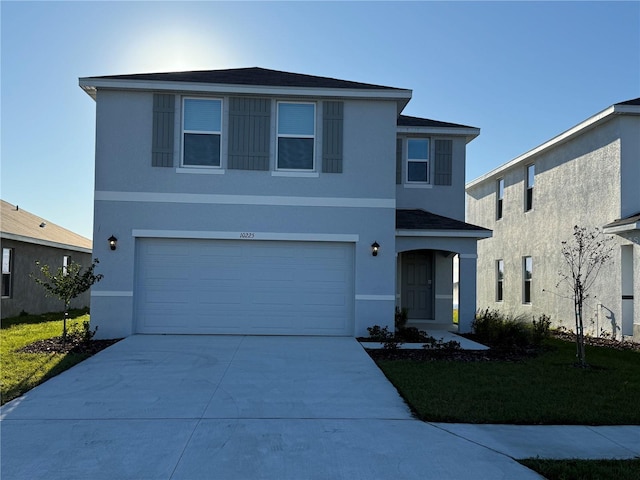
{"x":233,"y":407}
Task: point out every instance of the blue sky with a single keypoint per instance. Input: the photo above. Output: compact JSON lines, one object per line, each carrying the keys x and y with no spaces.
{"x":522,"y":72}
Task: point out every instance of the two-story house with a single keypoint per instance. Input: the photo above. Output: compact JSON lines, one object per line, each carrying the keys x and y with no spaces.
{"x":254,"y":201}
{"x":588,"y":176}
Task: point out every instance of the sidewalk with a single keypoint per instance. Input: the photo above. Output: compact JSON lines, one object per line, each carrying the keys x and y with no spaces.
{"x":552,"y":441}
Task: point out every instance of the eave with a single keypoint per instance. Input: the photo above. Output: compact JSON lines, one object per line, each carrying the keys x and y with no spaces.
{"x":91,"y":85}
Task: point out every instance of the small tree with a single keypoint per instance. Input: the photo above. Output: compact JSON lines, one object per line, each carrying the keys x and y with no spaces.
{"x":66,"y":284}
{"x":585,"y":255}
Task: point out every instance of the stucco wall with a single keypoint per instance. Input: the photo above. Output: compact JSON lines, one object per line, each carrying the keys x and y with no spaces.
{"x":576,"y":183}
{"x":29,"y":297}
{"x":446,"y":200}
{"x":123,"y":164}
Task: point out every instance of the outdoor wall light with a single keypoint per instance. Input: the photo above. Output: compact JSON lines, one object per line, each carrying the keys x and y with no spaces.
{"x":374,"y":249}
{"x":113,"y":242}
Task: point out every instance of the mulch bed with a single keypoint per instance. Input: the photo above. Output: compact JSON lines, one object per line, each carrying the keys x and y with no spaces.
{"x":492,"y":354}
{"x":72,"y":345}
{"x":599,"y":341}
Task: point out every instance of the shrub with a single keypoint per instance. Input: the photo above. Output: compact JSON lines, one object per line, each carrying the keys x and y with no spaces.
{"x":507,"y":333}
{"x":401,"y":317}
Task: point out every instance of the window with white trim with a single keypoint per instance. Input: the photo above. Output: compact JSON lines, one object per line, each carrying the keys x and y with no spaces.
{"x":418,"y":160}
{"x":66,"y":261}
{"x":201,"y":132}
{"x":527,"y":274}
{"x":296,"y":136}
{"x":499,"y":280}
{"x":7,"y":267}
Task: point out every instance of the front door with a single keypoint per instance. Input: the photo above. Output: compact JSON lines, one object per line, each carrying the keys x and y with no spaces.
{"x":417,"y":284}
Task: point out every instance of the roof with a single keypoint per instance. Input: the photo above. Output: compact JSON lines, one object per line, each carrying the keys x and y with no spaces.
{"x":417,"y":125}
{"x":629,"y":107}
{"x":406,"y":121}
{"x":635,"y":101}
{"x":251,"y":81}
{"x":21,"y":225}
{"x":249,"y":76}
{"x":418,"y":219}
{"x":632,"y":222}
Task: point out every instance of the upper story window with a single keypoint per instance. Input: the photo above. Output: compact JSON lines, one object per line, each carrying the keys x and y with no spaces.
{"x":296,"y":136}
{"x":201,"y":132}
{"x":499,"y":198}
{"x":528,"y":199}
{"x":418,"y":160}
{"x":7,"y":266}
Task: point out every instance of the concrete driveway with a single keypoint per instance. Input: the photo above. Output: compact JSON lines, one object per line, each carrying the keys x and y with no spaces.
{"x":231,"y":407}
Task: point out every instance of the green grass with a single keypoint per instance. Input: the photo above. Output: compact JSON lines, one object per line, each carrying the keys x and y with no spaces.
{"x":585,"y":469}
{"x":547,"y":389}
{"x":21,"y":372}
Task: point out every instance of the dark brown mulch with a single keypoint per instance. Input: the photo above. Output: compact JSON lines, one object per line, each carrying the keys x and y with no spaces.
{"x":72,"y":345}
{"x":599,"y":342}
{"x":429,"y":355}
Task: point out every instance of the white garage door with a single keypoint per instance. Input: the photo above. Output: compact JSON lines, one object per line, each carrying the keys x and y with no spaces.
{"x":244,"y":287}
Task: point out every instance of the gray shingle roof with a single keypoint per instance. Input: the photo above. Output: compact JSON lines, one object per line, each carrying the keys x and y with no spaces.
{"x":422,"y":220}
{"x":249,"y":76}
{"x":406,"y":121}
{"x":17,"y":222}
{"x":630,"y":220}
{"x":635,"y":101}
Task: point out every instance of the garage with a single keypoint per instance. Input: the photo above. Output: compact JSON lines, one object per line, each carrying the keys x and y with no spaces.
{"x":191,"y":286}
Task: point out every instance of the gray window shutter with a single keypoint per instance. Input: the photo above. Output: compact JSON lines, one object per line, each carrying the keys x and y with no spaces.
{"x":332,"y":136}
{"x":399,"y":161}
{"x":443,"y":162}
{"x":163,"y":124}
{"x":249,"y":132}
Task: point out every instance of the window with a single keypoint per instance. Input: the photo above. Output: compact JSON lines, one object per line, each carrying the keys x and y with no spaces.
{"x":296,"y":136}
{"x":66,"y":261}
{"x":528,"y":278}
{"x":7,"y":266}
{"x":499,"y":198}
{"x":528,"y":200}
{"x":201,"y":132}
{"x":499,"y":280}
{"x":418,"y":160}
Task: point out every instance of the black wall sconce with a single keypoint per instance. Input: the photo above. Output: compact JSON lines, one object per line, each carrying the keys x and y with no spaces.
{"x":374,"y":249}
{"x":113,"y":242}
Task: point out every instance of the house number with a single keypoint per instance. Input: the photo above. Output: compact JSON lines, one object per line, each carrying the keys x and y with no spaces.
{"x":247,"y":235}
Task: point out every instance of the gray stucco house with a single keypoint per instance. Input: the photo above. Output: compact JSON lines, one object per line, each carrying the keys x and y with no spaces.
{"x":27,"y":238}
{"x":255,"y":201}
{"x":587,"y":176}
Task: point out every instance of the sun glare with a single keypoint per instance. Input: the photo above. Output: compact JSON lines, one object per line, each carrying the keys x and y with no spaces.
{"x":178,"y":50}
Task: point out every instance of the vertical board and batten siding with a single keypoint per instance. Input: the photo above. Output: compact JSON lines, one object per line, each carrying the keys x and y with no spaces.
{"x":249,"y":133}
{"x":163,"y":125}
{"x":399,"y":161}
{"x":332,"y":137}
{"x":443,"y":162}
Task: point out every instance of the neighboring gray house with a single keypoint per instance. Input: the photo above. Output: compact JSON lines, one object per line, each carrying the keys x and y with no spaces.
{"x":25,"y":239}
{"x":587,"y":176}
{"x":254,"y":201}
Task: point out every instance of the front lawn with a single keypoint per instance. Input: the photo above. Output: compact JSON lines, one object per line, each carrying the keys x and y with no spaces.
{"x":22,"y":371}
{"x":546,"y":389}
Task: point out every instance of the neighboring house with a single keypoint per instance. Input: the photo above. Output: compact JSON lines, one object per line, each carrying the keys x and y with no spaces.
{"x":254,"y":201}
{"x":587,"y":176}
{"x":26,"y":239}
